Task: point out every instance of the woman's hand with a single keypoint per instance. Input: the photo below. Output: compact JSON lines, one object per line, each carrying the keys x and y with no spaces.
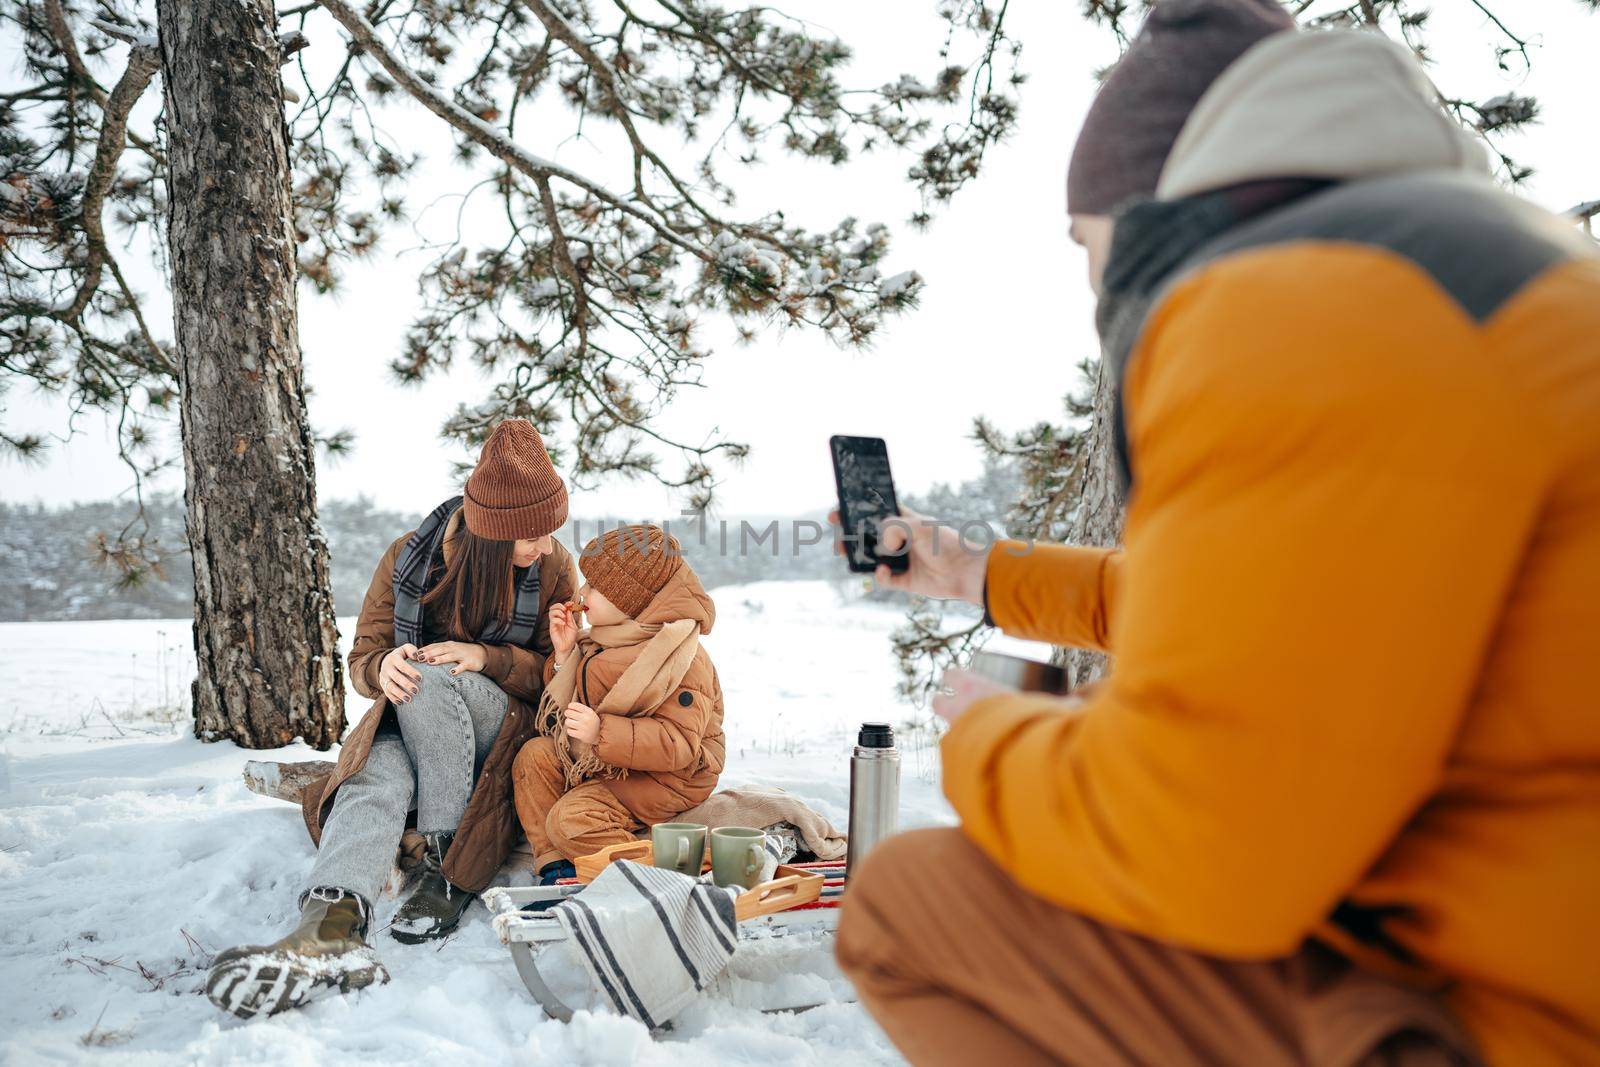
{"x":563,"y":630}
{"x":942,"y":564}
{"x":583,"y":723}
{"x":959,"y":690}
{"x":397,"y":678}
{"x":466,"y":655}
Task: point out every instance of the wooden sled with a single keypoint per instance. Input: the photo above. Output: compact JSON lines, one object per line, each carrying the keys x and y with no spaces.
{"x":800,"y":898}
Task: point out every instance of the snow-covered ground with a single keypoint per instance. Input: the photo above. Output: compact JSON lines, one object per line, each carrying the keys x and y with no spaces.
{"x":130,"y":853}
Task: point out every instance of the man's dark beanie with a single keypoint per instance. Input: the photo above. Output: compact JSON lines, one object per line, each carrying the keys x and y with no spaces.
{"x":1133,"y":122}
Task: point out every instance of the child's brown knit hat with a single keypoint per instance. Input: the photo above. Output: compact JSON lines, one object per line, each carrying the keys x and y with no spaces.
{"x":631,"y":564}
{"x":514,"y":492}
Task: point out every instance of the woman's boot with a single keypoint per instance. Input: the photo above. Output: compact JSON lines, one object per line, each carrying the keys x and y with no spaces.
{"x":435,"y":907}
{"x":327,"y":953}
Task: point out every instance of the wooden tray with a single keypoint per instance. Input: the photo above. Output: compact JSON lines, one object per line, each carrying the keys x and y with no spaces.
{"x":789,"y":886}
{"x":590,"y":866}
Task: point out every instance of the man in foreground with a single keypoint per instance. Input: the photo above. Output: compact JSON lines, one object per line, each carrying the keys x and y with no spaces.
{"x":1338,"y":801}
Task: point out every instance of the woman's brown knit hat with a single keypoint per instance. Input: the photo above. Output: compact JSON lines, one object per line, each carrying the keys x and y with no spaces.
{"x":514,"y":492}
{"x":631,"y":564}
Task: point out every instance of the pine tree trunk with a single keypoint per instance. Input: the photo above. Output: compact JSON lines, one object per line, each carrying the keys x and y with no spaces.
{"x":1099,"y":515}
{"x":264,"y":632}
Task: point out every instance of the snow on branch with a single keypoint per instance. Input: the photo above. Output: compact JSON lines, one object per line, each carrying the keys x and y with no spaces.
{"x":1585,"y":214}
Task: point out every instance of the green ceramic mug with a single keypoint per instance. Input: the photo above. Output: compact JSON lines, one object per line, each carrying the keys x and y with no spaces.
{"x":737,"y":855}
{"x":679,"y":846}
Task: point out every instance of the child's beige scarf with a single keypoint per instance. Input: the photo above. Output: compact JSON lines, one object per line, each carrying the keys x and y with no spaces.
{"x":657,"y":670}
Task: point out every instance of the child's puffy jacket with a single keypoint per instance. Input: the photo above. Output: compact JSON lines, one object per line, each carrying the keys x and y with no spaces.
{"x":674,"y":752}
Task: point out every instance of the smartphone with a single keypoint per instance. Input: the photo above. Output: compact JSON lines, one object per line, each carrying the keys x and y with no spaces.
{"x":866,"y":499}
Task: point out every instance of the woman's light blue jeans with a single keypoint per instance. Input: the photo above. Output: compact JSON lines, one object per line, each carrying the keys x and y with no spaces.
{"x":427,"y":757}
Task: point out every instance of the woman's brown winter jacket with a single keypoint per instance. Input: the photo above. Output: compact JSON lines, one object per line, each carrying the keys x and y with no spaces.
{"x":489,"y":829}
{"x":675,"y":751}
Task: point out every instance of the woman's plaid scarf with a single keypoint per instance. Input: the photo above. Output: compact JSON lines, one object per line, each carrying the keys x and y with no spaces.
{"x":415,"y":564}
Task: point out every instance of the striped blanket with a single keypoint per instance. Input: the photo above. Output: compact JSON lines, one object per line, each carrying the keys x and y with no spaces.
{"x":650,"y":938}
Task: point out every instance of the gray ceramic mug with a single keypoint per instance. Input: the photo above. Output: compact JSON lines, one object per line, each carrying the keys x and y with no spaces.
{"x":737,"y":855}
{"x":679,"y":846}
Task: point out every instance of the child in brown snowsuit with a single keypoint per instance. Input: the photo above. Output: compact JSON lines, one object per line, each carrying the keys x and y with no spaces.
{"x":631,"y":716}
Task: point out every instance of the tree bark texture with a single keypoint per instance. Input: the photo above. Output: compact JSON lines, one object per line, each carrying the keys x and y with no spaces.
{"x":1100,"y":507}
{"x":264,"y":631}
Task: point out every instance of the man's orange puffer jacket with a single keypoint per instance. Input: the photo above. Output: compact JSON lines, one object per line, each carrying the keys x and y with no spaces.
{"x":1356,"y":622}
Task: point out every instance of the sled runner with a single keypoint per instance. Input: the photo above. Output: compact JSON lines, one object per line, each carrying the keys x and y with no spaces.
{"x":800,"y":901}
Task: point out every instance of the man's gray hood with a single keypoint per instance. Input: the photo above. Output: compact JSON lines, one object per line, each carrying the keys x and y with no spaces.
{"x":1333,"y":104}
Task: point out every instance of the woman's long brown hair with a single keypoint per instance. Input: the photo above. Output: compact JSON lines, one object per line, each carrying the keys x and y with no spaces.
{"x":478,"y":586}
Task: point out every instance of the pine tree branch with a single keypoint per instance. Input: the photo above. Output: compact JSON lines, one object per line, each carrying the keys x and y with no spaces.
{"x":160,"y":363}
{"x":125,"y":34}
{"x":143,"y":62}
{"x":560,"y":29}
{"x":61,"y":31}
{"x":503,"y":148}
{"x":710,"y":40}
{"x":485,"y":136}
{"x":564,"y":262}
{"x":1521,"y":44}
{"x":611,"y":82}
{"x":56,"y":19}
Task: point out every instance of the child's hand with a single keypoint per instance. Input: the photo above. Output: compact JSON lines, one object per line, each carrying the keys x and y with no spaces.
{"x":563,"y":630}
{"x":583,"y":723}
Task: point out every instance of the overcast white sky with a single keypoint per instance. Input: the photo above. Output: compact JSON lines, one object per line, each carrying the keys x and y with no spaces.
{"x":1004,"y":319}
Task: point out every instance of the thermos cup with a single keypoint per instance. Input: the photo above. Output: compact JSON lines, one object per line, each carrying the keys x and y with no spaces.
{"x":874,"y":790}
{"x":1015,"y":672}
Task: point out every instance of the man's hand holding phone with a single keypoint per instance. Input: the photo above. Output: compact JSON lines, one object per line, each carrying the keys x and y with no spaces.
{"x":901,"y":549}
{"x":940,"y":564}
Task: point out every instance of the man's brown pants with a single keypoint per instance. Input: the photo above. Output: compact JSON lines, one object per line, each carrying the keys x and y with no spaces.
{"x":960,"y":965}
{"x":564,"y":823}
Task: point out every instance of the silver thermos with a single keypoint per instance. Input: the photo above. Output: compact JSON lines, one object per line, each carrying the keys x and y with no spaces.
{"x":874,"y":790}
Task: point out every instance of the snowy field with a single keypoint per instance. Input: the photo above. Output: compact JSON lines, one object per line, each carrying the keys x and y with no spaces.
{"x":130,"y":853}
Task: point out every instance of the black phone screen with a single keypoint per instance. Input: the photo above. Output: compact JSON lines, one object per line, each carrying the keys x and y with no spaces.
{"x":866,"y":498}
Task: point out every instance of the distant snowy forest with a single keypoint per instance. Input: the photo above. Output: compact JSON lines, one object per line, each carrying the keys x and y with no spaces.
{"x":50,"y":568}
